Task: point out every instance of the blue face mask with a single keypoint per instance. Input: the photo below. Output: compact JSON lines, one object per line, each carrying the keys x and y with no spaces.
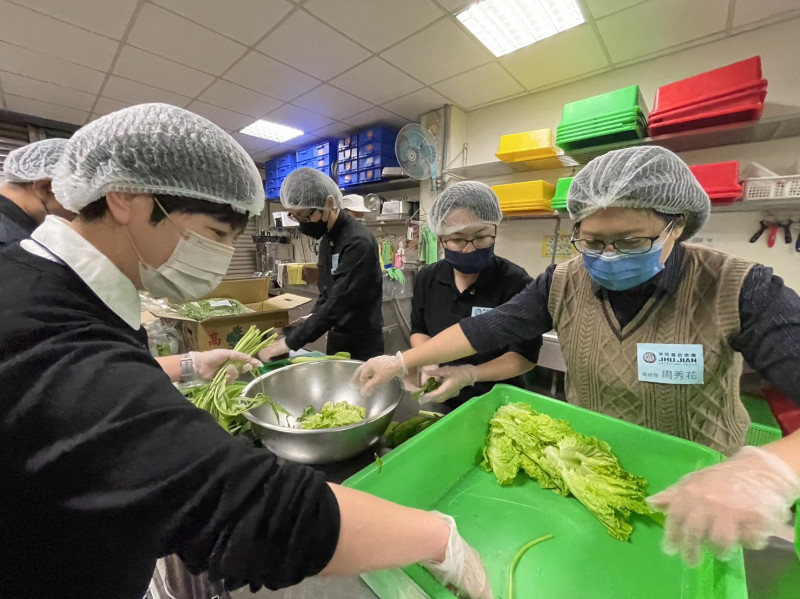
{"x":620,"y":272}
{"x":470,"y":263}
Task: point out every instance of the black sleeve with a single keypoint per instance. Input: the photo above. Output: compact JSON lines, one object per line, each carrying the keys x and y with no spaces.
{"x":769,"y":339}
{"x":111,"y":443}
{"x":519,"y":323}
{"x":354,"y":273}
{"x":418,"y":325}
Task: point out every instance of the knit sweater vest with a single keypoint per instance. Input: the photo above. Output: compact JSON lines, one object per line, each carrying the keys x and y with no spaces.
{"x":601,"y":358}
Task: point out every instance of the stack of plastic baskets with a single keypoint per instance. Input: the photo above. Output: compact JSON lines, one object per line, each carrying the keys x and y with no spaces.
{"x":731,"y":94}
{"x":319,"y":156}
{"x":562,"y":190}
{"x":530,"y":145}
{"x":720,"y":180}
{"x":526,"y":197}
{"x":375,"y":151}
{"x":275,"y":172}
{"x":764,"y":428}
{"x":347,"y":173}
{"x":613,"y":117}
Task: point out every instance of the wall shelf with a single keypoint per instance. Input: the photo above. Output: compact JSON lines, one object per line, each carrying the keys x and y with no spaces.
{"x":400,"y":184}
{"x":770,"y":129}
{"x":768,"y":206}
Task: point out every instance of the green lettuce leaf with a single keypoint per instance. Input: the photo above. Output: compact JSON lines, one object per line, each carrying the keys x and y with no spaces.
{"x":332,"y":415}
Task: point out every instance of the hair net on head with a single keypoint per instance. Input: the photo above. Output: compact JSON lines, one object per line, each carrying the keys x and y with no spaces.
{"x":645,"y":177}
{"x":464,"y":204}
{"x":309,"y":188}
{"x":157,"y":149}
{"x":33,"y":162}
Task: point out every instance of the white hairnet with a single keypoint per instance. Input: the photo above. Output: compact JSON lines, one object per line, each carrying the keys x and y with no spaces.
{"x":157,"y":149}
{"x":464,"y":204}
{"x":354,"y":202}
{"x":644,"y":177}
{"x":309,"y":188}
{"x":33,"y":162}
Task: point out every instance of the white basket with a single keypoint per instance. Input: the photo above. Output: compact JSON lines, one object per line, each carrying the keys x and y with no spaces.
{"x":767,"y":188}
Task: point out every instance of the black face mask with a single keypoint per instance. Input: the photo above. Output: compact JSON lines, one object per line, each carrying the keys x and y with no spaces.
{"x":470,"y":263}
{"x":315,"y":230}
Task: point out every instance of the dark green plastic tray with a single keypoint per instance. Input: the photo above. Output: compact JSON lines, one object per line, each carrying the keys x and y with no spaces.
{"x":439,"y":470}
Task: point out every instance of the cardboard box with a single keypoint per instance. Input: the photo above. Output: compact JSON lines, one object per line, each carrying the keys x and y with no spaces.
{"x":225,"y":331}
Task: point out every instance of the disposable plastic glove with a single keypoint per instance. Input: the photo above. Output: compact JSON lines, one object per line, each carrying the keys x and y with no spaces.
{"x":743,"y":500}
{"x":454,"y":379}
{"x":462,"y":566}
{"x":278,"y":348}
{"x":425,"y":374}
{"x":207,"y":363}
{"x":376,"y":371}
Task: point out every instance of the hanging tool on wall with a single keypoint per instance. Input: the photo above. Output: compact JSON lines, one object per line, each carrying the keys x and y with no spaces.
{"x":773,"y":234}
{"x":787,"y":231}
{"x":757,"y":235}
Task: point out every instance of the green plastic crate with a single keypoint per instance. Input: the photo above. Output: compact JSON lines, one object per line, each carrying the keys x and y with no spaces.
{"x":764,"y":428}
{"x":440,"y":469}
{"x":606,"y":121}
{"x":603,"y":104}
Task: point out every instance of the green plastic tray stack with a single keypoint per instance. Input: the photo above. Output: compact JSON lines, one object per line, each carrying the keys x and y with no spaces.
{"x":612,"y":117}
{"x":559,"y":200}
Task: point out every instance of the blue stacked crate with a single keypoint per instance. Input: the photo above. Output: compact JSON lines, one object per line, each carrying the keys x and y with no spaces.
{"x":348,"y":160}
{"x":319,"y":156}
{"x":375,"y":151}
{"x":275,"y":171}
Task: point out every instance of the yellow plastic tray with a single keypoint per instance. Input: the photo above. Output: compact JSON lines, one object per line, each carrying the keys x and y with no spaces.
{"x":529,"y":145}
{"x":526,"y":191}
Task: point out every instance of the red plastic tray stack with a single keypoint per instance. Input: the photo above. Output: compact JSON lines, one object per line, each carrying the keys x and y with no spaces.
{"x":731,"y":94}
{"x":720,"y":180}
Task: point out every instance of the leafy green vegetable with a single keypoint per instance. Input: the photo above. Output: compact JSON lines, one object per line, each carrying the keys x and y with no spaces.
{"x":201,"y":310}
{"x":430,"y":385}
{"x":379,"y":463}
{"x":516,"y":559}
{"x":552,"y":453}
{"x":342,"y":355}
{"x":331,"y":415}
{"x":401,"y":432}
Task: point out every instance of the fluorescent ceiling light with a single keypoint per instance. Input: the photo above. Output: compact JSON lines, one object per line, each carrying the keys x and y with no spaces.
{"x":271,"y":131}
{"x":507,"y":25}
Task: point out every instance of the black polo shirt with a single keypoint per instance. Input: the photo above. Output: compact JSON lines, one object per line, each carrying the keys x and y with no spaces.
{"x":15,"y":224}
{"x":438,"y":304}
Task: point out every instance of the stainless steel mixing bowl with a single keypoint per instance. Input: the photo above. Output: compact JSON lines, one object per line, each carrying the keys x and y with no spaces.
{"x":296,"y":386}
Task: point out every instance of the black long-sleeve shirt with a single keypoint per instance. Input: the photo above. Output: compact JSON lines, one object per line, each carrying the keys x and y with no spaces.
{"x":350,"y":286}
{"x":15,"y":224}
{"x":106,"y":466}
{"x":769,"y":338}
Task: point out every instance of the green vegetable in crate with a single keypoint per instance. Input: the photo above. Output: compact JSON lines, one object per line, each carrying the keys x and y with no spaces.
{"x":201,"y":310}
{"x":430,"y":385}
{"x":552,"y":453}
{"x":401,"y":432}
{"x":331,"y":415}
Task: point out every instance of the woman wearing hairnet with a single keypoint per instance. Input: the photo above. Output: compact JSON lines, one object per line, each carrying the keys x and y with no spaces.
{"x":471,"y":280}
{"x":105,"y":464}
{"x":636,"y":296}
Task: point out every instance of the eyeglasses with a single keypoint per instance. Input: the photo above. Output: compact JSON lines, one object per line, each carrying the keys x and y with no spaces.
{"x":302,"y":218}
{"x":479,"y":243}
{"x":629,"y":245}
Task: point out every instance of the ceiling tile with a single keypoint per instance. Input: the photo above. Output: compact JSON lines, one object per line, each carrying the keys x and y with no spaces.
{"x":161,"y":32}
{"x":263,"y":156}
{"x":564,"y":56}
{"x":299,"y":118}
{"x":106,"y":105}
{"x":238,"y":98}
{"x":250,"y":20}
{"x":108,"y":17}
{"x":133,"y":92}
{"x":253,"y":144}
{"x":46,"y":68}
{"x":226,"y":119}
{"x":329,"y":54}
{"x":661,"y":24}
{"x":750,"y":11}
{"x":376,"y":24}
{"x":335,"y":130}
{"x":144,"y":67}
{"x":45,"y":110}
{"x":376,"y":116}
{"x":376,"y":81}
{"x":332,"y":102}
{"x":601,"y":8}
{"x":438,"y":52}
{"x":454,"y":6}
{"x":417,"y":103}
{"x":479,"y":86}
{"x":36,"y":31}
{"x":268,"y":76}
{"x":46,"y":92}
{"x":300,"y":142}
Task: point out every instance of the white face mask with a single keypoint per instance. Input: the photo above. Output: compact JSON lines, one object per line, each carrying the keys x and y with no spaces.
{"x":194,"y":269}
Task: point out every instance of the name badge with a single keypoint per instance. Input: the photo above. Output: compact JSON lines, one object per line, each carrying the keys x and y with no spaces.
{"x":334,"y":263}
{"x":670,"y":363}
{"x":477,"y":310}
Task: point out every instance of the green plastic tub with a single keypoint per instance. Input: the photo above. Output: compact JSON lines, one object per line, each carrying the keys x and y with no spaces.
{"x":604,"y":104}
{"x":764,"y":428}
{"x":602,"y":130}
{"x":440,"y":470}
{"x":605,"y":121}
{"x":628,"y":134}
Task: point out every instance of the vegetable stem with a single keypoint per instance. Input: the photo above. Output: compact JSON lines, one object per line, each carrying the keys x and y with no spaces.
{"x":516,"y":559}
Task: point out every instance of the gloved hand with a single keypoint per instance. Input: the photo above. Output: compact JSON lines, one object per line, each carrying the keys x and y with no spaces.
{"x":454,"y":379}
{"x":378,"y":370}
{"x":273,"y":351}
{"x":207,"y":363}
{"x":462,"y":566}
{"x":743,"y":500}
{"x":425,"y":374}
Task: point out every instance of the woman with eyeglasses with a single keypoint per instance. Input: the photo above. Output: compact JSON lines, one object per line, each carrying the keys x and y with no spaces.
{"x":471,"y":280}
{"x":653,"y":331}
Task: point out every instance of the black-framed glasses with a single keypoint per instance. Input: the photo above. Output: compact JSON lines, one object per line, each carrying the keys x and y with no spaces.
{"x":303,"y":218}
{"x":628,"y":245}
{"x":479,"y":243}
